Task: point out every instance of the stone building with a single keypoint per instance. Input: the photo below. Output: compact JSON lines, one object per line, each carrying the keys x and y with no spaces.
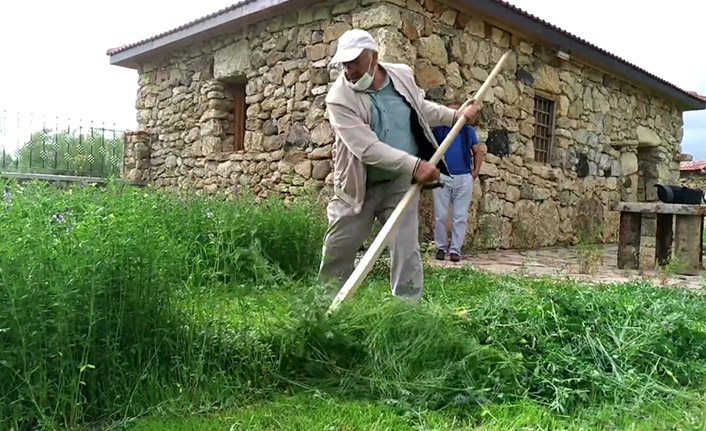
{"x":237,"y":97}
{"x":693,"y":174}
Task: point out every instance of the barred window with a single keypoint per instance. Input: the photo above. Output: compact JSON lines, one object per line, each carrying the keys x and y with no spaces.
{"x":543,"y":129}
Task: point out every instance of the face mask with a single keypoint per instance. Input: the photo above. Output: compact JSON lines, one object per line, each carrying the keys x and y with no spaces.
{"x":365,"y":81}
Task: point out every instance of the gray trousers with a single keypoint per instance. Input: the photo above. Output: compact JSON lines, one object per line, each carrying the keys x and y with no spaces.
{"x":457,"y":191}
{"x":346,"y":234}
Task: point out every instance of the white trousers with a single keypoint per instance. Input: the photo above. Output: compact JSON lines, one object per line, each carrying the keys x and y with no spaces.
{"x":346,"y":234}
{"x":457,"y":192}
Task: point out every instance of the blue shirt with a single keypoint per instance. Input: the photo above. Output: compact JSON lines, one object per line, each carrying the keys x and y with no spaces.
{"x":391,"y":122}
{"x":458,"y":157}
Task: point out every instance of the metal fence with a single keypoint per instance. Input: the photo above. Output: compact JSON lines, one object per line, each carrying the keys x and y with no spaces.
{"x":59,"y":146}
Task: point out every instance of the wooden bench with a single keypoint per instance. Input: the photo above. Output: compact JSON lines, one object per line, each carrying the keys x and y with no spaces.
{"x":678,"y":223}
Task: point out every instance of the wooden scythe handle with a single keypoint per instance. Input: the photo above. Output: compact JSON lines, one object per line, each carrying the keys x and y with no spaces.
{"x":386,"y":233}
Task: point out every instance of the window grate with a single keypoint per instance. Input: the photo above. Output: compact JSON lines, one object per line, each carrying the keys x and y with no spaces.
{"x":543,"y":129}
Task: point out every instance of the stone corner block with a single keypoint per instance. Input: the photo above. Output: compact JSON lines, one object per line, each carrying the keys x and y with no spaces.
{"x":232,"y":60}
{"x":647,"y":137}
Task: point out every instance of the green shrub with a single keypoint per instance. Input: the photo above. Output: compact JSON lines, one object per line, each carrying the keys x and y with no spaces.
{"x":90,"y":280}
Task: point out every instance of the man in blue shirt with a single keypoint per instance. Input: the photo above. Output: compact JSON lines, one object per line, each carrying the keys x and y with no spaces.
{"x":464,"y":158}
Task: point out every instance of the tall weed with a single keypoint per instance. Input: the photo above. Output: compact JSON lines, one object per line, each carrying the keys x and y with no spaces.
{"x":90,"y":279}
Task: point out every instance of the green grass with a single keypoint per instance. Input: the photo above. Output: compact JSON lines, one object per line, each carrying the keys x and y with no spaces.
{"x":317,"y":411}
{"x":480,"y":353}
{"x":91,"y":286}
{"x":145,"y":310}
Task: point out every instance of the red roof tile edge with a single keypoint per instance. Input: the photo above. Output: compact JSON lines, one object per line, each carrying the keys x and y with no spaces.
{"x":693,"y":166}
{"x":697,"y":95}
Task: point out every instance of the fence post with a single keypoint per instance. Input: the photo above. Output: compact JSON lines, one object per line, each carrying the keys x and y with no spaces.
{"x":136,"y":166}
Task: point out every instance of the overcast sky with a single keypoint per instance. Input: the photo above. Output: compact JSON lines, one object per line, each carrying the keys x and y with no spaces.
{"x":53,"y":58}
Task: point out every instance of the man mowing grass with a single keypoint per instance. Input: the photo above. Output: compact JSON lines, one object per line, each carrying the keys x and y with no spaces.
{"x":383,"y":138}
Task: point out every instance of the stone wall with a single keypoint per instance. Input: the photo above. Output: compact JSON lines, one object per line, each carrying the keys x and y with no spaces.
{"x":606,"y":129}
{"x":695,"y":179}
{"x":136,"y":157}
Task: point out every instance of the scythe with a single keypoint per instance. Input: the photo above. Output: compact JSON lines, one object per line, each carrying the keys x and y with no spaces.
{"x":389,"y":229}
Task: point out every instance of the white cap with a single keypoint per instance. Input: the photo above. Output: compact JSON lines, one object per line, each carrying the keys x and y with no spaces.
{"x":351,"y":44}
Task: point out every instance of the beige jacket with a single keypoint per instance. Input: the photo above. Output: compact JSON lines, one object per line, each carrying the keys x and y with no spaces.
{"x":357,"y":145}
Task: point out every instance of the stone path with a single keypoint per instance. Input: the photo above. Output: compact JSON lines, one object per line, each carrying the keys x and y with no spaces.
{"x":563,"y":262}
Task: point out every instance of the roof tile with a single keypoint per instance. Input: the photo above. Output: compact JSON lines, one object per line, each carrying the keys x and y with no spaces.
{"x":693,"y":166}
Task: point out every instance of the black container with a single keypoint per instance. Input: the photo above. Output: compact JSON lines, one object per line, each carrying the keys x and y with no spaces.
{"x":679,"y":195}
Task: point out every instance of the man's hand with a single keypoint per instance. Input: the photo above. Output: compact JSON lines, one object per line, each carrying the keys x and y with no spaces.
{"x":470,"y":110}
{"x":479,"y":151}
{"x":426,"y":172}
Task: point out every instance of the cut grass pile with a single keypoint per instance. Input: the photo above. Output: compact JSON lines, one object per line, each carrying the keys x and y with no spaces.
{"x":119,"y":303}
